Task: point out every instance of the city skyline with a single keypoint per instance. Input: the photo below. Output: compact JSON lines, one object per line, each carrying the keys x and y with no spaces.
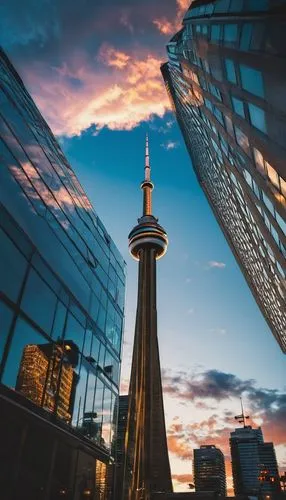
{"x":213,"y":312}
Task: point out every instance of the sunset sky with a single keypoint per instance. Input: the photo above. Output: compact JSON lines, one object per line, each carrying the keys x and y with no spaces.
{"x":93,"y":68}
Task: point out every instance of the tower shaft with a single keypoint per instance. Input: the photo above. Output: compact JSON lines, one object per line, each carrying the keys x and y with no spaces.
{"x":146,"y":444}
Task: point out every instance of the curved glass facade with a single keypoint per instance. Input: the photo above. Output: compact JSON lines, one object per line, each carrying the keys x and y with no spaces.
{"x":62,"y":280}
{"x":226,"y":79}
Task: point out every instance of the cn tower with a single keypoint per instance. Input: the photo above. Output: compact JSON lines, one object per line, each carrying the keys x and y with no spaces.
{"x":147,"y":468}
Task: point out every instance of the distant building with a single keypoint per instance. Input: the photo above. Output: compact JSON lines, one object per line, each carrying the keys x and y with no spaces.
{"x":120,"y":445}
{"x":226,"y":77}
{"x":254,"y":462}
{"x":269,"y":474}
{"x":209,"y":470}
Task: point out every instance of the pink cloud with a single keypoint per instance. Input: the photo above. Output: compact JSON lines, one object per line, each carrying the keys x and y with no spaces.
{"x":170,"y":27}
{"x":119,"y":91}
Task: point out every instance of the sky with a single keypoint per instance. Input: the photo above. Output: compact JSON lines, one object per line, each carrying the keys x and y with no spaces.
{"x":93,"y":69}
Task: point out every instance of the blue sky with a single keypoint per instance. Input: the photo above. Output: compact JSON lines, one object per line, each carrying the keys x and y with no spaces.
{"x":94,"y":72}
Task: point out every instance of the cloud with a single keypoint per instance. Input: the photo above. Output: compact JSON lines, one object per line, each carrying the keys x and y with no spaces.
{"x":171,"y":26}
{"x":213,"y":264}
{"x":75,"y":96}
{"x":183,"y":478}
{"x":218,"y":331}
{"x":170,"y":145}
{"x":209,"y":384}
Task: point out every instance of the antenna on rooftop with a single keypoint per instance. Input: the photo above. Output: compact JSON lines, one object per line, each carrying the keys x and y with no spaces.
{"x":242,"y":418}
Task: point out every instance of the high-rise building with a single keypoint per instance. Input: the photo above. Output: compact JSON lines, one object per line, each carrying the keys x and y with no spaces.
{"x":119,"y":444}
{"x":269,"y":473}
{"x":209,"y":470}
{"x":226,"y":78}
{"x":62,"y":286}
{"x":147,"y":468}
{"x":254,"y":464}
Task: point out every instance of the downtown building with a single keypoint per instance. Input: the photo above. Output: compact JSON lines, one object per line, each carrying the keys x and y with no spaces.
{"x":254,"y":463}
{"x":62,"y":288}
{"x":226,"y":77}
{"x":209,"y":470}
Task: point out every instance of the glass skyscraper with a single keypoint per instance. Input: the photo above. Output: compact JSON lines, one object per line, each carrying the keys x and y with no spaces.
{"x":253,"y":460}
{"x":226,"y":78}
{"x":62,"y":283}
{"x":209,"y":470}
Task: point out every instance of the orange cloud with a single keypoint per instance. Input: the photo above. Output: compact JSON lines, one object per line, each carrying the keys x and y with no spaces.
{"x":182,"y":478}
{"x":167,"y":27}
{"x":120,"y":92}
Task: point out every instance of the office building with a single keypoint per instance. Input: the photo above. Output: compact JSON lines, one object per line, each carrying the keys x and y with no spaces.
{"x":209,"y":470}
{"x":254,"y":464}
{"x":62,"y":284}
{"x":147,"y":468}
{"x":226,"y":78}
{"x":269,"y":474}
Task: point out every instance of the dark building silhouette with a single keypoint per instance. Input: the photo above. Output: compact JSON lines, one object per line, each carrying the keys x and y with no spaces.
{"x":147,"y":468}
{"x":254,"y":464}
{"x":209,"y":470}
{"x":62,"y":286}
{"x":226,"y":78}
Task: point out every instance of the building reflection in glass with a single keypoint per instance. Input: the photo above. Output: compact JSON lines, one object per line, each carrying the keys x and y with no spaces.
{"x":47,"y":376}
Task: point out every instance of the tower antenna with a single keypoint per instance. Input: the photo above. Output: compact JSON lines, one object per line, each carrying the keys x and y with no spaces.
{"x":242,"y":418}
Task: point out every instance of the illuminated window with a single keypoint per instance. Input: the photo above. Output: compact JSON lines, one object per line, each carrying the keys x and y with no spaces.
{"x":283,"y":186}
{"x":241,"y":139}
{"x":259,"y":161}
{"x":272,"y":174}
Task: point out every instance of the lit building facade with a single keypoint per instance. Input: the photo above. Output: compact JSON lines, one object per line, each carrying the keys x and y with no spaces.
{"x":226,"y":79}
{"x":254,"y":464}
{"x":62,"y":288}
{"x":209,"y":470}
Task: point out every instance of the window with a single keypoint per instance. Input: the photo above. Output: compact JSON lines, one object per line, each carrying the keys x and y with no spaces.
{"x":12,"y":267}
{"x":254,"y":5}
{"x":218,"y":115}
{"x":215,"y":32}
{"x":241,"y":139}
{"x":238,"y":106}
{"x":230,"y":33}
{"x":24,"y":339}
{"x":74,"y":331}
{"x":257,"y":117}
{"x":59,"y":321}
{"x":208,"y":104}
{"x":259,"y":161}
{"x":6,"y":315}
{"x":221,"y":6}
{"x":230,"y":71}
{"x":283,"y":186}
{"x":39,"y":302}
{"x":236,"y":5}
{"x":246,"y":35}
{"x":272,"y":174}
{"x":252,"y":80}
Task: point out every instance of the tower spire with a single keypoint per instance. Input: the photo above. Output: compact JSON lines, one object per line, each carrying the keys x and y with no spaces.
{"x":147,"y":185}
{"x":147,"y":161}
{"x":242,"y":418}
